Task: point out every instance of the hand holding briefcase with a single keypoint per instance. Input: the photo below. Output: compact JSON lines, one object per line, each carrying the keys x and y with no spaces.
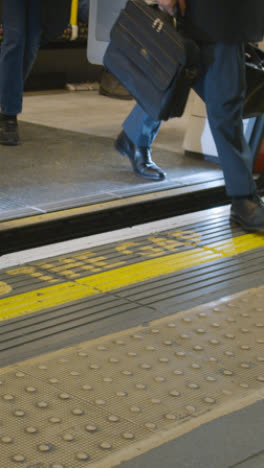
{"x":155,"y":62}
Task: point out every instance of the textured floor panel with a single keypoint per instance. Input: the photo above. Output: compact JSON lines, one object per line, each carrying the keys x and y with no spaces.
{"x":109,"y":399}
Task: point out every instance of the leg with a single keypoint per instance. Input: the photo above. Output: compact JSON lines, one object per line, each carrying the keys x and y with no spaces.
{"x":11,"y":58}
{"x":33,"y":30}
{"x":222,"y":86}
{"x":135,"y":142}
{"x":223,"y":89}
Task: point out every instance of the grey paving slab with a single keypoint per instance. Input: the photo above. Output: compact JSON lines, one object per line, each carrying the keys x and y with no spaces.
{"x":59,"y":169}
{"x":232,"y":441}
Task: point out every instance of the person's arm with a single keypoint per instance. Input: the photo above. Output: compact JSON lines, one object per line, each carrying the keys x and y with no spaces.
{"x":169,"y":5}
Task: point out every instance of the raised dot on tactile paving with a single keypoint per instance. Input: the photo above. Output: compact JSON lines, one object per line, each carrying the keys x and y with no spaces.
{"x":229,"y":353}
{"x":155,"y":331}
{"x":87,"y":387}
{"x":198,"y":348}
{"x":42,"y":367}
{"x":245,"y":347}
{"x":244,"y":385}
{"x":100,"y":402}
{"x":164,"y":360}
{"x":245,"y":365}
{"x":131,"y":354}
{"x":120,"y":342}
{"x":187,"y":320}
{"x":260,"y":341}
{"x":82,"y":456}
{"x":202,"y":315}
{"x":150,"y":426}
{"x":227,"y":372}
{"x":210,"y":379}
{"x":113,"y":418}
{"x":216,"y":309}
{"x":159,"y":379}
{"x":259,"y":325}
{"x":31,"y":430}
{"x":77,"y":412}
{"x":64,"y":396}
{"x":230,"y":336}
{"x":196,"y":366}
{"x":135,"y":409}
{"x":105,"y":445}
{"x":180,"y":354}
{"x":8,"y":397}
{"x":145,"y":366}
{"x":18,"y":458}
{"x":68,"y":437}
{"x":128,"y":435}
{"x":167,"y":343}
{"x":127,"y":373}
{"x":56,"y":465}
{"x":200,"y":331}
{"x":54,"y":420}
{"x":19,"y":413}
{"x":31,"y":389}
{"x":82,"y":354}
{"x":171,"y":325}
{"x":6,"y":440}
{"x":170,"y":417}
{"x":74,"y":373}
{"x":94,"y":366}
{"x":121,"y":394}
{"x":107,"y":379}
{"x":102,"y":348}
{"x":230,"y":320}
{"x":155,"y":401}
{"x":44,"y":447}
{"x":140,"y":386}
{"x":91,"y":428}
{"x":150,"y":348}
{"x":190,"y":409}
{"x":209,"y":400}
{"x":20,"y":374}
{"x":184,"y":336}
{"x":214,"y":342}
{"x":215,"y":325}
{"x":174,"y":393}
{"x":137,"y":337}
{"x":178,"y":372}
{"x":260,"y":378}
{"x":260,"y":359}
{"x":42,"y":404}
{"x":53,"y":380}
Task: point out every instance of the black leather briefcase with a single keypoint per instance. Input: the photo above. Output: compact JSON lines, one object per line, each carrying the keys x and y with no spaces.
{"x":154,"y":61}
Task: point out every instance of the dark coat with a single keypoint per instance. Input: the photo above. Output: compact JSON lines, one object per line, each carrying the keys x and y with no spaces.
{"x":226,"y":20}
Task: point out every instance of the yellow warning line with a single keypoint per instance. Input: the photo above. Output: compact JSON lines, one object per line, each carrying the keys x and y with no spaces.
{"x":64,"y":293}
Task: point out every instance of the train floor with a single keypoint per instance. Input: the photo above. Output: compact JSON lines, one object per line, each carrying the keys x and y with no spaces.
{"x":67,"y":159}
{"x":143,"y":347}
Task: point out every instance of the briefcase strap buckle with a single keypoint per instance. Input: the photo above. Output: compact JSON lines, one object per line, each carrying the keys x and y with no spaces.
{"x":158,"y":25}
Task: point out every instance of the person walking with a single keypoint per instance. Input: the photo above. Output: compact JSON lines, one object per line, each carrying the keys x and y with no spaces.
{"x":221,"y":28}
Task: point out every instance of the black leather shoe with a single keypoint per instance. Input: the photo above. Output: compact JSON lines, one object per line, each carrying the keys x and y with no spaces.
{"x":248,"y":213}
{"x":140,"y":158}
{"x":8,"y":131}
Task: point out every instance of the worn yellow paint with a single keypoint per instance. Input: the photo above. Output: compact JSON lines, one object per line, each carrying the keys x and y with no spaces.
{"x":64,"y":293}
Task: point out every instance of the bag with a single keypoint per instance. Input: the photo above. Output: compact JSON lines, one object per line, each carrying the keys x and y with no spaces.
{"x":254,"y":100}
{"x":153,"y":61}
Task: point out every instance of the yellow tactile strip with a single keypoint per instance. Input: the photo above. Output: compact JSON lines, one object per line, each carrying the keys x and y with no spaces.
{"x":110,"y":399}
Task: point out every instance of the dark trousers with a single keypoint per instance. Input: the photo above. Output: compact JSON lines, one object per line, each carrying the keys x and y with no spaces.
{"x":222,"y":87}
{"x":21,"y":21}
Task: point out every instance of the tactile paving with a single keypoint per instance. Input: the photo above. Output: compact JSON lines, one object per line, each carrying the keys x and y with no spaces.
{"x":98,"y":401}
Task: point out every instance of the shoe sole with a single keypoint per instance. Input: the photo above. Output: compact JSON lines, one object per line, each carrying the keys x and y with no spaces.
{"x":247,"y":228}
{"x":115,"y":96}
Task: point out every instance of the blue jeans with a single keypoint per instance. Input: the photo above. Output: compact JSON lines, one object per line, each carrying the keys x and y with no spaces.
{"x":21,"y":21}
{"x":222,"y":87}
